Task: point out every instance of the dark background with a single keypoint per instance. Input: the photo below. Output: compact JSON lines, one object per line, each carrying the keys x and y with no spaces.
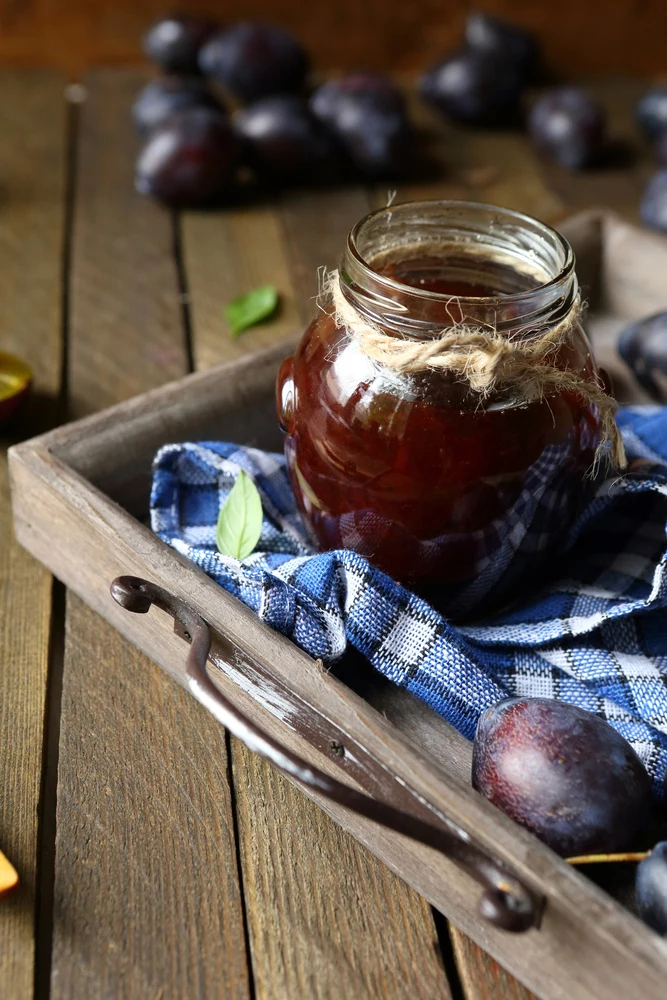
{"x":579,"y":37}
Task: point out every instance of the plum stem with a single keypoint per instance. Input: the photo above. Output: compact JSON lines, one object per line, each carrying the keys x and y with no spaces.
{"x":594,"y":859}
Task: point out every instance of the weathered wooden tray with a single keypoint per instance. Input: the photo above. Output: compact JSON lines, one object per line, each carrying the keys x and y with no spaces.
{"x":80,"y":497}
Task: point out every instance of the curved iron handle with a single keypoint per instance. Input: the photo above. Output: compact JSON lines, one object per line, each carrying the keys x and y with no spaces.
{"x":506,"y":902}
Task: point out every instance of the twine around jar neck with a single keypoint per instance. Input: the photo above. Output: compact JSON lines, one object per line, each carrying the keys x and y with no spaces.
{"x":484,"y":358}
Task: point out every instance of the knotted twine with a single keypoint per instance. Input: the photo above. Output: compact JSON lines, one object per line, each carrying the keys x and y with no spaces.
{"x":485,"y":359}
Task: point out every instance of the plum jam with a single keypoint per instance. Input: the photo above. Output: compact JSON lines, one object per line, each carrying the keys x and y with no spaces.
{"x":433,"y":483}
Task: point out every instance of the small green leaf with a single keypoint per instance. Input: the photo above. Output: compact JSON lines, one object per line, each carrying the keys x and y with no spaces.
{"x":252,"y":308}
{"x":240,"y":520}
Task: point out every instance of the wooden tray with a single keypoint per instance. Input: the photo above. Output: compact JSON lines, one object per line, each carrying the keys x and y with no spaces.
{"x":80,"y":497}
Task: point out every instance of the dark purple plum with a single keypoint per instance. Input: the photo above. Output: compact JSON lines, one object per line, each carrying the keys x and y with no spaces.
{"x":189,"y":160}
{"x":563,"y":773}
{"x":254,"y":60}
{"x":653,"y":206}
{"x":380,"y":145}
{"x":652,"y":112}
{"x":651,"y":888}
{"x":494,"y":36}
{"x":570,"y":127}
{"x":643,"y":347}
{"x":160,"y":98}
{"x":174,"y":42}
{"x":283,"y":140}
{"x":473,"y":87}
{"x":366,"y":114}
{"x":661,"y":149}
{"x":329,"y":100}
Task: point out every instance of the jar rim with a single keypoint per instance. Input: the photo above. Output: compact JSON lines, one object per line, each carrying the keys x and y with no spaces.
{"x":468,"y":206}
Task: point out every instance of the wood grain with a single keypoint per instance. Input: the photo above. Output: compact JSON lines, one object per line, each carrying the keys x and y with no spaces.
{"x":32,"y":210}
{"x":125,"y":297}
{"x":302,"y":876}
{"x":225,"y":255}
{"x":147,"y":897}
{"x":147,"y":900}
{"x":482,"y":978}
{"x":316,"y":227}
{"x":326,"y":919}
{"x":598,"y":37}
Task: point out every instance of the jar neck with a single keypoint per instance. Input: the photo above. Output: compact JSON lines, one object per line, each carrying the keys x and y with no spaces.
{"x":528,"y":266}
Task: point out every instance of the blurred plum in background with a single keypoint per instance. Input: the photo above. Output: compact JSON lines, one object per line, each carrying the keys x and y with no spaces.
{"x":174,"y":42}
{"x":254,"y":59}
{"x":570,"y":127}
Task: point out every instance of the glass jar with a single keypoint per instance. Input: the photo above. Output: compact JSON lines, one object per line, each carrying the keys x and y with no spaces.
{"x":432,"y":482}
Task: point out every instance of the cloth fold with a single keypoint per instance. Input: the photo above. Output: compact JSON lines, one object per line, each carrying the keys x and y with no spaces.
{"x":594,"y":636}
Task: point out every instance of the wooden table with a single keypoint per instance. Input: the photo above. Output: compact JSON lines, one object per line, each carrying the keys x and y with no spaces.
{"x":159,"y":859}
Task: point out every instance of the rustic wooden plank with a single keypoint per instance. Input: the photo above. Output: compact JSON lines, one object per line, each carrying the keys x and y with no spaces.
{"x":147,"y":897}
{"x":316,"y":227}
{"x":501,"y":168}
{"x":32,"y":218}
{"x":326,"y":919}
{"x":25,"y":616}
{"x":481,"y":976}
{"x":146,"y":900}
{"x":125,"y":297}
{"x":225,"y":255}
{"x":303,"y":877}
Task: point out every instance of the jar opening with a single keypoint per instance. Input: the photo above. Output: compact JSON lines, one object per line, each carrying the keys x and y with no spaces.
{"x":468,"y":234}
{"x":405,"y":263}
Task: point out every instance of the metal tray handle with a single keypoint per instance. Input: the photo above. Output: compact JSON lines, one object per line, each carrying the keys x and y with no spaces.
{"x":506,"y":902}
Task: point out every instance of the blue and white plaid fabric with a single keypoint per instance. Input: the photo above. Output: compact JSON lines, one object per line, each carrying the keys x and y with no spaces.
{"x":596,"y":636}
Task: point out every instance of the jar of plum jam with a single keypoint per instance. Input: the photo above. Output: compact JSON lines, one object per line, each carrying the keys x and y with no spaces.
{"x":435,"y":484}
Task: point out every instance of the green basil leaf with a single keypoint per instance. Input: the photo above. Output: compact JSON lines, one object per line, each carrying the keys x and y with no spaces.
{"x":240,"y":520}
{"x":252,"y":308}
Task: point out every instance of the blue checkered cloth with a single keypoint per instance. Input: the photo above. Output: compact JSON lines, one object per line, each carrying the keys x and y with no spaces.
{"x":595,"y":637}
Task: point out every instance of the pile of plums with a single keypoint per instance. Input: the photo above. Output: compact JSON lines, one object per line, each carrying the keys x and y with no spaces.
{"x":576,"y":783}
{"x":483,"y":83}
{"x":354,"y":125}
{"x":357,"y":123}
{"x":193,"y":148}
